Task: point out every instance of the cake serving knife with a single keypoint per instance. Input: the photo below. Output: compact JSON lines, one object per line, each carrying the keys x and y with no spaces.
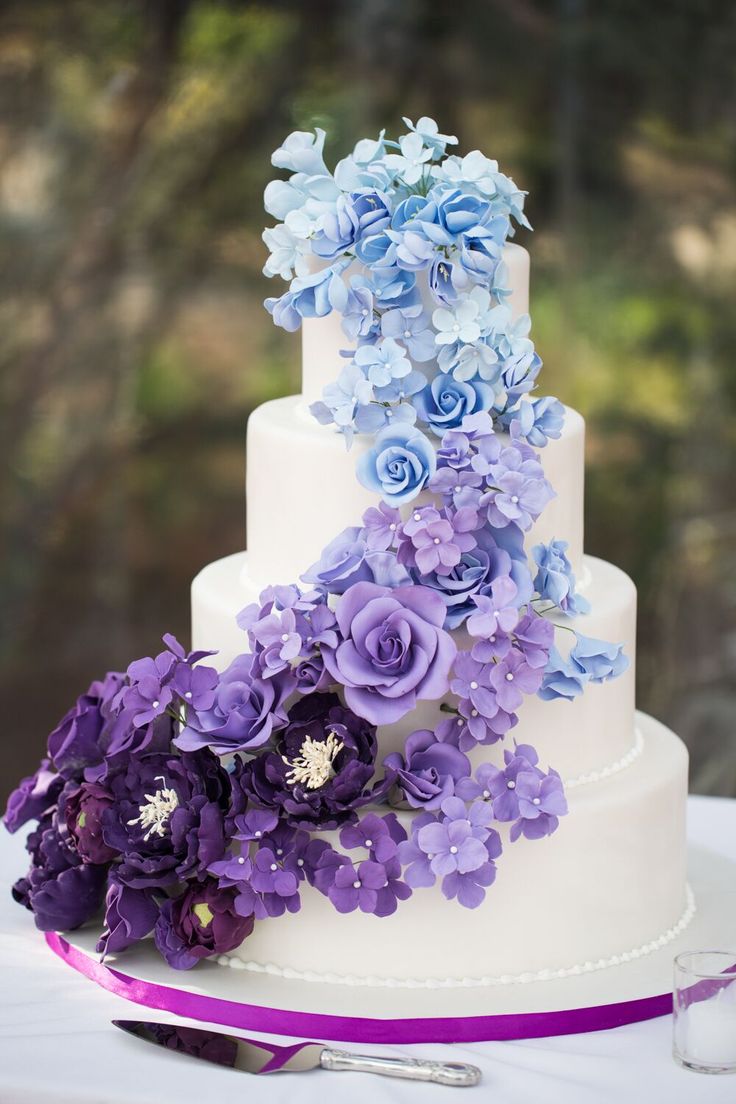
{"x":252,"y":1056}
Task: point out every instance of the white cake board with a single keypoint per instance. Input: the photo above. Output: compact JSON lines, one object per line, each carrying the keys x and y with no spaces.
{"x":633,"y":991}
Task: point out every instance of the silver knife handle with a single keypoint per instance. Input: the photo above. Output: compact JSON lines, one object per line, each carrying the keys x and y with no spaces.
{"x":414,"y":1069}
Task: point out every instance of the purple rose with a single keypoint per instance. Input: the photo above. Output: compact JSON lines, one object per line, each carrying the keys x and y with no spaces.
{"x":341,"y":564}
{"x":130,"y":915}
{"x":427,"y":771}
{"x":77,"y":742}
{"x":82,"y":808}
{"x":167,"y":822}
{"x":201,"y":923}
{"x":34,"y":796}
{"x":319,"y":772}
{"x":394,"y":650}
{"x":247,"y":709}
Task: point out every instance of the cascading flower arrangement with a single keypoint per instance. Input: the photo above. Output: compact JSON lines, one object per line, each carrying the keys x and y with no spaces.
{"x":190,"y":804}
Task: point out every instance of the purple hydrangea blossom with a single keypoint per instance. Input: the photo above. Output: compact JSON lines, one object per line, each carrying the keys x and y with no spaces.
{"x":512,"y":678}
{"x":380,"y":525}
{"x":379,"y":835}
{"x":456,"y":842}
{"x":148,"y":691}
{"x":541,"y":800}
{"x":496,"y":611}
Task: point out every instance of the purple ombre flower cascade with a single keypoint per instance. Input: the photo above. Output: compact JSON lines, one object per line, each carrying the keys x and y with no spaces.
{"x":183,"y":804}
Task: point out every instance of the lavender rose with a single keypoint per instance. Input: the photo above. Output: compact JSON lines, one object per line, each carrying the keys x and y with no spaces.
{"x":427,"y":771}
{"x":393,"y":650}
{"x":247,"y":709}
{"x":201,"y":923}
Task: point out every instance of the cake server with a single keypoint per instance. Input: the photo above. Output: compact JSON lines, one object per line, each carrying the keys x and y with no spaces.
{"x":251,"y":1056}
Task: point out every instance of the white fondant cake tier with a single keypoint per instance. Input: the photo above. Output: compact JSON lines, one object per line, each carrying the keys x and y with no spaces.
{"x":588,"y":734}
{"x":302,"y":490}
{"x":323,"y":338}
{"x":610,"y":881}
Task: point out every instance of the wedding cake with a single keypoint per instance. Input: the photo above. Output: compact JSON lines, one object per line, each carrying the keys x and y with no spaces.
{"x":414,"y":759}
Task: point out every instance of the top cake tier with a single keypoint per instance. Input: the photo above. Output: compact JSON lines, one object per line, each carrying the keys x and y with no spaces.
{"x":323,"y":338}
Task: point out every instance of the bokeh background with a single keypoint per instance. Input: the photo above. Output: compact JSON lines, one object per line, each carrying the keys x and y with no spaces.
{"x":134,"y":147}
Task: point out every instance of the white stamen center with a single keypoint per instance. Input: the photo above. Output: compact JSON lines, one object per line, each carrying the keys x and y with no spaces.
{"x":453,"y":850}
{"x":313,"y":766}
{"x":154,"y":814}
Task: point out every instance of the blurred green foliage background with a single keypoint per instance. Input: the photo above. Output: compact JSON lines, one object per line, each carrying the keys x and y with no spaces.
{"x":135,"y":140}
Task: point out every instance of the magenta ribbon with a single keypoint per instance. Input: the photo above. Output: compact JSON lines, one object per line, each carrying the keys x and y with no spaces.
{"x":358,"y":1029}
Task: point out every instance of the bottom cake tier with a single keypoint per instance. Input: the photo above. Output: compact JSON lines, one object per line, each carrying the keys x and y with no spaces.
{"x":608,"y":886}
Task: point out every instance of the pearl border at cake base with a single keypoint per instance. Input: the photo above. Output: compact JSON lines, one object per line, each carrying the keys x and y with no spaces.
{"x":639,"y":989}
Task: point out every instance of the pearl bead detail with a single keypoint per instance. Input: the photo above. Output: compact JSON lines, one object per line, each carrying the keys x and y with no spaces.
{"x":188,"y":695}
{"x":511,"y":785}
{"x":284,"y":637}
{"x":356,"y":885}
{"x":369,"y":843}
{"x":509,"y":677}
{"x":453,"y":850}
{"x":155,"y":704}
{"x":274,"y":866}
{"x":241,"y":860}
{"x":417,"y":517}
{"x":514,"y":499}
{"x":474,"y":686}
{"x":536,"y":801}
{"x":300,"y":862}
{"x":436,"y":540}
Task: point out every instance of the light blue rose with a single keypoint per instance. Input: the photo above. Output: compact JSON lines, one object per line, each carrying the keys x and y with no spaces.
{"x":445,"y":401}
{"x":400,"y":463}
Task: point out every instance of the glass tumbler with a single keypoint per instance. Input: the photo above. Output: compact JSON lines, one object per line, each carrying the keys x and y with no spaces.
{"x":705,"y":1011}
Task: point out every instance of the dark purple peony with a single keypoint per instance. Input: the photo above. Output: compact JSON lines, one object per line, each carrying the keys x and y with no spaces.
{"x":394,"y":650}
{"x":246,"y":711}
{"x":78,"y":742}
{"x":320,"y":769}
{"x":60,"y":890}
{"x":81,"y":809}
{"x":167,"y":822}
{"x":427,"y":771}
{"x":35,"y":796}
{"x":201,"y":923}
{"x":130,"y":915}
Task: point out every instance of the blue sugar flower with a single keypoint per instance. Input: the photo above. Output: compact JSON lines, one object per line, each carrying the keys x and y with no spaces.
{"x":598,"y":660}
{"x":428,"y":131}
{"x":382,"y":363}
{"x":561,"y":679}
{"x":309,"y":297}
{"x":540,"y":420}
{"x":445,"y":402}
{"x":410,"y":325}
{"x":400,"y":463}
{"x":555,"y":579}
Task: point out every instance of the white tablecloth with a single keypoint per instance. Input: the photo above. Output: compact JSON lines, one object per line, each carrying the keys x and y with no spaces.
{"x":57,"y":1045}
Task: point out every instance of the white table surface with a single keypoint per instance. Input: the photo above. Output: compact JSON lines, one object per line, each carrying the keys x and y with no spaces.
{"x":57,"y":1045}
